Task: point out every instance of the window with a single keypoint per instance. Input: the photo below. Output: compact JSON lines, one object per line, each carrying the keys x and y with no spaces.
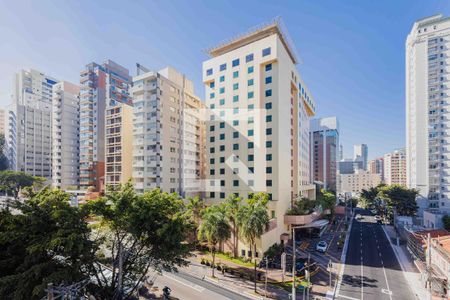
{"x":212,"y":194}
{"x":268,"y":144}
{"x":222,"y":171}
{"x":222,"y":148}
{"x":235,"y":134}
{"x":268,"y":79}
{"x":222,"y":102}
{"x":251,"y":170}
{"x":250,"y":145}
{"x":235,"y":110}
{"x":212,"y":95}
{"x":235,"y":98}
{"x":212,"y":150}
{"x":251,"y":183}
{"x":211,"y":161}
{"x":222,"y":78}
{"x":249,"y":58}
{"x":222,"y":195}
{"x":222,"y":136}
{"x":235,"y":74}
{"x":209,"y":72}
{"x":250,"y":132}
{"x":269,"y":118}
{"x":266,"y":52}
{"x":211,"y":84}
{"x":268,"y":157}
{"x":269,"y":182}
{"x":222,"y":90}
{"x":268,"y":93}
{"x":269,"y":170}
{"x":222,"y":159}
{"x":250,"y":95}
{"x":235,"y":182}
{"x":212,"y":106}
{"x":235,"y":146}
{"x":251,"y":157}
{"x":268,"y":105}
{"x":211,"y":139}
{"x":222,"y":183}
{"x":235,"y":62}
{"x":268,"y":67}
{"x":222,"y":125}
{"x":250,"y":70}
{"x":250,"y":120}
{"x":235,"y":86}
{"x":269,"y":131}
{"x":212,"y":172}
{"x":223,"y":67}
{"x":250,"y":82}
{"x":250,"y":106}
{"x":212,"y":128}
{"x":235,"y":122}
{"x":235,"y":171}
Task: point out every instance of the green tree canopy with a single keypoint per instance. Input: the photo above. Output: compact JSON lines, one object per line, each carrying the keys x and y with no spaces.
{"x":12,"y":181}
{"x":4,"y":163}
{"x":400,"y":198}
{"x":232,"y":206}
{"x":327,"y":200}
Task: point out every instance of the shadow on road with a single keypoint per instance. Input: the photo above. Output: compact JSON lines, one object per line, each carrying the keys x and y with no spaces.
{"x":355,"y":281}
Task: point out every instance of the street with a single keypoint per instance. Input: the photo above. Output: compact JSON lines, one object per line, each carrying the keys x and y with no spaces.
{"x":371,"y":268}
{"x":186,"y":286}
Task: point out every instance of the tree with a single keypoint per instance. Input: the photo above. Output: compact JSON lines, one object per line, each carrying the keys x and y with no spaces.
{"x":253,"y":221}
{"x":195,"y":206}
{"x":138,"y":232}
{"x":303,"y":206}
{"x":46,"y":242}
{"x":446,"y":222}
{"x":327,"y":200}
{"x":368,"y":197}
{"x":232,"y":206}
{"x":4,"y":163}
{"x":12,"y":182}
{"x":214,"y":229}
{"x":400,"y":198}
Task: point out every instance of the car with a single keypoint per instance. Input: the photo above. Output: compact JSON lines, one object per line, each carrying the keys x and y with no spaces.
{"x":377,"y":218}
{"x":358,"y":217}
{"x":321,"y":246}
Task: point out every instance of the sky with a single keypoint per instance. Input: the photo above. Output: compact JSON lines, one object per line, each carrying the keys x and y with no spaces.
{"x":352,"y":52}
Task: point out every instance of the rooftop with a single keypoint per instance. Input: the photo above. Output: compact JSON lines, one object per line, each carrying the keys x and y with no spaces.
{"x":257,"y":33}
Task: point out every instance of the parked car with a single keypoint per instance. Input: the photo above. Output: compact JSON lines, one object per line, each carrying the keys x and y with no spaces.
{"x":377,"y":218}
{"x":358,"y":217}
{"x":321,"y":246}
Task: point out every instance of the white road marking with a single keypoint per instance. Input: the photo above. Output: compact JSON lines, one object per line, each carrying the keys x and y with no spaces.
{"x":347,"y":297}
{"x":195,"y":287}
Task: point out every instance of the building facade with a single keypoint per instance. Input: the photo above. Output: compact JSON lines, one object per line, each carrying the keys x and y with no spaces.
{"x":427,"y":100}
{"x":30,"y":124}
{"x":168,"y":133}
{"x":101,"y":86}
{"x":258,"y":125}
{"x":324,"y":142}
{"x":65,"y":135}
{"x":349,"y":166}
{"x":3,"y":123}
{"x":376,"y":166}
{"x":395,"y":167}
{"x":354,"y":183}
{"x":361,"y":153}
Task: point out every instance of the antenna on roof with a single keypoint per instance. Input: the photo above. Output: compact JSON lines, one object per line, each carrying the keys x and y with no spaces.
{"x":140,"y":69}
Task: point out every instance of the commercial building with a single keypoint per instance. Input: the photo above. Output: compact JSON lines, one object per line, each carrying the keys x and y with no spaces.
{"x":258,"y":126}
{"x":354,"y":183}
{"x":65,"y":135}
{"x":101,"y":86}
{"x":168,"y":133}
{"x":349,"y":166}
{"x":118,"y":143}
{"x":29,"y":137}
{"x":361,"y":153}
{"x":376,"y":166}
{"x":395,"y":167}
{"x":324,"y":142}
{"x":427,"y":100}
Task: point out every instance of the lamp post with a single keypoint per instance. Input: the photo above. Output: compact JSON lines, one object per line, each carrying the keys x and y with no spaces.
{"x":293,"y":263}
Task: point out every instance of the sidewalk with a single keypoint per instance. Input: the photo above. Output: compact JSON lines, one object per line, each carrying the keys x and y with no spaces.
{"x":412,"y":275}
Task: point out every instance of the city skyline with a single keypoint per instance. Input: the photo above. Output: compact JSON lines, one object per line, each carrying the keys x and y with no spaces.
{"x":337,"y":89}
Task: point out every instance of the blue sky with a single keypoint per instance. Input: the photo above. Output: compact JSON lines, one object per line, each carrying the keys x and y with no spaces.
{"x":352,"y":52}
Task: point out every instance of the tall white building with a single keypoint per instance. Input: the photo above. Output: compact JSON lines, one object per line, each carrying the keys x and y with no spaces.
{"x":65,"y":135}
{"x":30,"y":123}
{"x":258,"y":128}
{"x":168,"y":133}
{"x":427,"y":109}
{"x":395,"y":167}
{"x":361,"y":153}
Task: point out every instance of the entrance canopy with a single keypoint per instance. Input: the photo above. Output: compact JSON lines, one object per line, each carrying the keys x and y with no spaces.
{"x":315,"y":224}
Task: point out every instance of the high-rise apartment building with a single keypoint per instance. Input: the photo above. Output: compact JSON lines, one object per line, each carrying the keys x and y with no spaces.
{"x":168,"y":133}
{"x":376,"y":166}
{"x":30,"y":124}
{"x":349,"y":166}
{"x":65,"y":135}
{"x":324,"y":143}
{"x":427,"y":102}
{"x":395,"y":167}
{"x":258,"y":126}
{"x":361,"y":153}
{"x":118,"y":143}
{"x":101,"y":86}
{"x":3,"y":124}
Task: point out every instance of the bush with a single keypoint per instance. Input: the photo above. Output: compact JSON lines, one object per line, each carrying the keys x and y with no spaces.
{"x":203,"y":261}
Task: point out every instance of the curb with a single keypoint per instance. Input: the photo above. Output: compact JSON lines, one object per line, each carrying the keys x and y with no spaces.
{"x":343,"y":255}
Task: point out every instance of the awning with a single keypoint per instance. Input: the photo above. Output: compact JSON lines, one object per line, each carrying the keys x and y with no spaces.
{"x":316,"y":223}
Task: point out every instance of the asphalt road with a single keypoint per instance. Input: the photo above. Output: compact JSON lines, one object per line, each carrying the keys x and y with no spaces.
{"x":186,"y":286}
{"x":371,"y":268}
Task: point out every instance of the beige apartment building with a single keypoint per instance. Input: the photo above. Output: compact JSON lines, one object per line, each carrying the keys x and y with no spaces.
{"x":118,"y":144}
{"x":353,"y":184}
{"x":258,"y":125}
{"x":168,"y":133}
{"x":395,"y":167}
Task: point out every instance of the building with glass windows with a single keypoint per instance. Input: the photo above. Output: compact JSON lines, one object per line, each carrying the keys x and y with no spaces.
{"x":324,"y":142}
{"x":395,"y":167}
{"x":101,"y":86}
{"x":258,"y":125}
{"x":361,"y":153}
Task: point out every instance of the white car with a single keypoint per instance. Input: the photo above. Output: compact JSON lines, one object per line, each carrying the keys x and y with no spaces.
{"x":321,"y":246}
{"x":358,"y":217}
{"x":377,"y":218}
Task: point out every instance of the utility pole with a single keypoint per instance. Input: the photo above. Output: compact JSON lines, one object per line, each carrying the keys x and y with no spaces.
{"x":50,"y":291}
{"x":429,"y":265}
{"x":265,"y":285}
{"x":293,"y":264}
{"x":120,"y":275}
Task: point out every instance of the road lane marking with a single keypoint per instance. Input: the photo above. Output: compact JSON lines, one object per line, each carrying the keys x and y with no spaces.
{"x":193,"y":286}
{"x":347,"y":297}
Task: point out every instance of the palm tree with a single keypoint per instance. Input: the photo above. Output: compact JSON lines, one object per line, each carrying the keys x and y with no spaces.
{"x":214,"y":229}
{"x":253,"y":221}
{"x":232,"y":205}
{"x":195,"y":206}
